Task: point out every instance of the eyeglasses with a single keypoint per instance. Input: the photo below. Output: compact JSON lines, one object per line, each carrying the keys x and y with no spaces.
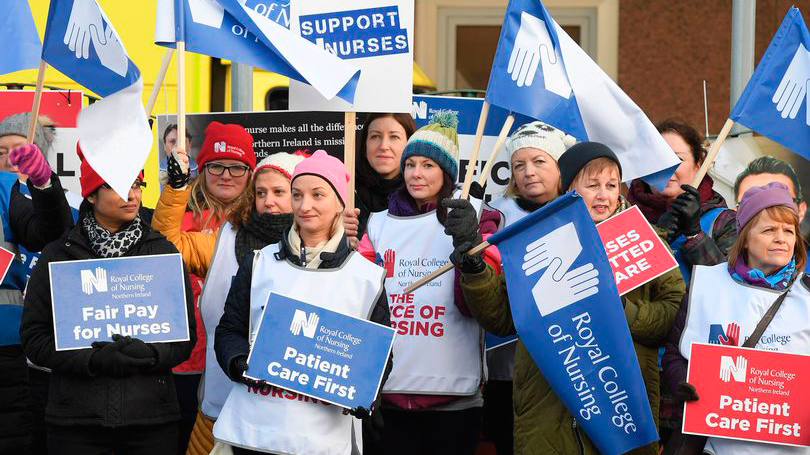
{"x":135,"y":186}
{"x":236,"y":170}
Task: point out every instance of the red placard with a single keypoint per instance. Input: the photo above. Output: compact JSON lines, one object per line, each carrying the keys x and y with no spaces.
{"x":636,"y":253}
{"x":6,"y":258}
{"x":61,"y":106}
{"x":749,"y":394}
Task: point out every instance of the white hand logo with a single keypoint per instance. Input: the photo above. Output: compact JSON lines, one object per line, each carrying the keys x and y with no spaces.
{"x":86,"y":24}
{"x":559,"y":287}
{"x":532,"y":46}
{"x":793,"y":88}
{"x":207,"y":12}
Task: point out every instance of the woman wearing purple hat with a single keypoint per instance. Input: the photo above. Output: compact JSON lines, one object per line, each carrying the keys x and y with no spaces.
{"x":727,"y":301}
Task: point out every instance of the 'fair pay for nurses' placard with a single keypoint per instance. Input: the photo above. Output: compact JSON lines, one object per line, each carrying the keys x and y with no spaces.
{"x":636,"y":253}
{"x":143,"y":297}
{"x":316,"y":352}
{"x":749,"y":394}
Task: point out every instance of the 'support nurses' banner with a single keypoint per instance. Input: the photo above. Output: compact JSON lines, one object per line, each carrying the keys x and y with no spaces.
{"x":143,"y":297}
{"x":567,"y":312}
{"x":374,"y":35}
{"x":320,"y":353}
{"x":748,"y":394}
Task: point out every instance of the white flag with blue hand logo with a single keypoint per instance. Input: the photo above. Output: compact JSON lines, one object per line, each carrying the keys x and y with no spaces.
{"x":114,"y":134}
{"x":540,"y":72}
{"x":241,"y":31}
{"x":17,"y":23}
{"x":775,"y":101}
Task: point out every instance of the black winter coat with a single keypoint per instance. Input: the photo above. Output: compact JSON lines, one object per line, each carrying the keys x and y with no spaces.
{"x":77,"y":396}
{"x":231,"y":339}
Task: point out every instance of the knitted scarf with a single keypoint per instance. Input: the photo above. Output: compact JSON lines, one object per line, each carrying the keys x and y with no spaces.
{"x":654,"y":205}
{"x":261,"y":230}
{"x":109,"y":245}
{"x":779,"y":280}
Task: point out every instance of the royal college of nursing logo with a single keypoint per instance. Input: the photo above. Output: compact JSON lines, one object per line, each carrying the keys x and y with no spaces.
{"x":91,"y":281}
{"x":303,"y":324}
{"x":220,"y":147}
{"x":729,"y":369}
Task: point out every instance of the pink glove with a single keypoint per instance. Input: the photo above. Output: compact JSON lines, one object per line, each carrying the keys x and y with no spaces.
{"x":31,"y":162}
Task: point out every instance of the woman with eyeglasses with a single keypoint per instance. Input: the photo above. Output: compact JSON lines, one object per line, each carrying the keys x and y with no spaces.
{"x":258,"y":222}
{"x":225,"y":162}
{"x":117,"y":396}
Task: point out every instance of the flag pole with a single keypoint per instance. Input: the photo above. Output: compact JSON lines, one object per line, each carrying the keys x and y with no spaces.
{"x":164,"y":67}
{"x":349,"y":135}
{"x":181,"y":91}
{"x":712,"y":154}
{"x":479,"y":134}
{"x":32,"y":122}
{"x":443,"y":269}
{"x":507,"y":125}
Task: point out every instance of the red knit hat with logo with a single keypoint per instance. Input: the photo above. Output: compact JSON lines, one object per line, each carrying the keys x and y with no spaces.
{"x":89,"y":179}
{"x":227,"y":142}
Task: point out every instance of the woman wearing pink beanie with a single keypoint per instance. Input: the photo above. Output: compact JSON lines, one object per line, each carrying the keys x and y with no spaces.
{"x":314,"y":264}
{"x":726,"y":302}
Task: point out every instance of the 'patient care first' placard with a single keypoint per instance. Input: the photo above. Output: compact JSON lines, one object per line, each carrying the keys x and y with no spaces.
{"x":636,"y":253}
{"x":143,"y":297}
{"x":326,"y":355}
{"x":749,"y":394}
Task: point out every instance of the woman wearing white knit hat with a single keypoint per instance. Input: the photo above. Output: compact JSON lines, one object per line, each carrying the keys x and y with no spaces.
{"x":260,"y":220}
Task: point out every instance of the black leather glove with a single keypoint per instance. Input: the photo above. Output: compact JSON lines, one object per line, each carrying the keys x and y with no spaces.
{"x":178,"y":176}
{"x":108,"y":360}
{"x":462,"y":222}
{"x":668,"y":221}
{"x":477,"y":191}
{"x":686,"y":392}
{"x":360,"y":412}
{"x":686,"y":208}
{"x":136,"y":348}
{"x":238,"y":367}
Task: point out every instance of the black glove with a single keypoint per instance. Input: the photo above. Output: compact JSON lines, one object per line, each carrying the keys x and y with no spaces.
{"x":686,"y":392}
{"x":107,"y":359}
{"x":462,"y":222}
{"x":373,"y":423}
{"x":136,"y":348}
{"x":178,"y":177}
{"x":238,"y":367}
{"x":467,"y":263}
{"x":686,"y":208}
{"x":477,"y":191}
{"x":360,"y":412}
{"x":669,"y":222}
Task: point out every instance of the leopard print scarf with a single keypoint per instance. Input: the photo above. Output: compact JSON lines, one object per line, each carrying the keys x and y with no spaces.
{"x":108,"y":245}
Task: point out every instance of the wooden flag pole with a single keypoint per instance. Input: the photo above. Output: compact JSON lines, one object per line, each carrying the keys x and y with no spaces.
{"x":349,"y":134}
{"x":507,"y":125}
{"x":164,"y":67}
{"x":479,"y":134}
{"x":712,"y":154}
{"x":32,"y":122}
{"x":181,"y":91}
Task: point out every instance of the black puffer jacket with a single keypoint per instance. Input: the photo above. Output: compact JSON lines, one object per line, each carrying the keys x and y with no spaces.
{"x":77,"y":397}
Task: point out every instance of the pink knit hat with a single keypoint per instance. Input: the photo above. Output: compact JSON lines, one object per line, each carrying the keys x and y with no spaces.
{"x":328,"y":168}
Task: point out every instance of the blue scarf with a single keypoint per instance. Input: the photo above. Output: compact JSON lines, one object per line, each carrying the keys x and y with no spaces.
{"x":778,"y":281}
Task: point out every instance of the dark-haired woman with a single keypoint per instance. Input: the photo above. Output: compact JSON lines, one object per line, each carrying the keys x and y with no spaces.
{"x":696,"y":219}
{"x":431,"y":402}
{"x":378,"y":172}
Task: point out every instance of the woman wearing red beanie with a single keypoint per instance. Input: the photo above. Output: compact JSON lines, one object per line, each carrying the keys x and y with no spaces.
{"x":226,"y":162}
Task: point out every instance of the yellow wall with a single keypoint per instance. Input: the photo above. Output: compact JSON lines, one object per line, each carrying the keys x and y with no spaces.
{"x":135,"y":23}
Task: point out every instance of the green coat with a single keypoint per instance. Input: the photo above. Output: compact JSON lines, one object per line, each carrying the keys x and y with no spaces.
{"x":543,"y":426}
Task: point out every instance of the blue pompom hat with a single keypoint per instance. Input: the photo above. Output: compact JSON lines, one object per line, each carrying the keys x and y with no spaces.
{"x":438,"y":140}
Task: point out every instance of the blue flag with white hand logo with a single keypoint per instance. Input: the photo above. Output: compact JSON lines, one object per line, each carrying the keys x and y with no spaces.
{"x":775,"y":102}
{"x":82,"y":43}
{"x":257,"y":34}
{"x":18,"y":23}
{"x":568,"y":314}
{"x":540,"y":72}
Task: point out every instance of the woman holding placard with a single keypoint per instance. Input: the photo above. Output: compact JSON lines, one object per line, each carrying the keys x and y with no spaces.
{"x":696,"y":219}
{"x":432,"y":400}
{"x":118,"y":396}
{"x":226,"y":161}
{"x":595,"y":173}
{"x":377,"y":171}
{"x":314,"y":264}
{"x":727,"y":301}
{"x":258,"y":221}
